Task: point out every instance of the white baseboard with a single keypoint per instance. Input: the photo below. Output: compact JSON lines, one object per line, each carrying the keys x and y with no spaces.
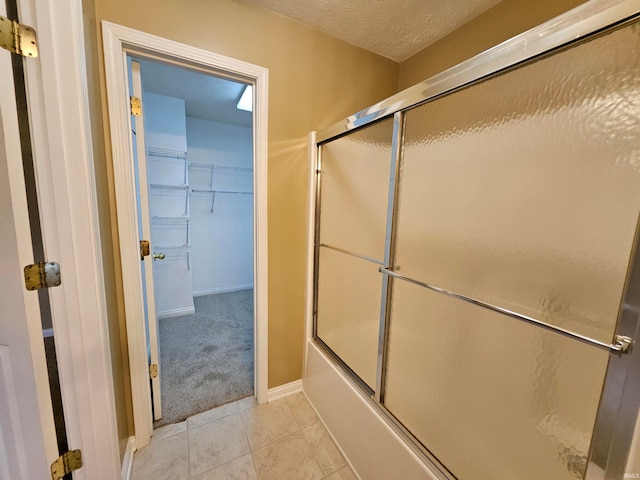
{"x":284,"y":390}
{"x":127,"y":461}
{"x":230,"y":288}
{"x":178,"y":312}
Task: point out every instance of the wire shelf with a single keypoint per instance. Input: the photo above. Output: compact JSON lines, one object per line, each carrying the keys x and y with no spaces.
{"x":162,"y":186}
{"x":210,"y":166}
{"x":163,"y":152}
{"x":170,"y":220}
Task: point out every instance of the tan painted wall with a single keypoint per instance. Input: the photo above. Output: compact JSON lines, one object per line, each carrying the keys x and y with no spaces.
{"x":314,"y":81}
{"x":507,"y":19}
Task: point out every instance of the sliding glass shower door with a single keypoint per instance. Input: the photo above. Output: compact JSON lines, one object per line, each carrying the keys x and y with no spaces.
{"x":351,"y":245}
{"x":471,"y":275}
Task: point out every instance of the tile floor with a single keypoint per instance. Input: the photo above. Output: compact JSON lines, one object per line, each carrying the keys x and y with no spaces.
{"x":282,"y":440}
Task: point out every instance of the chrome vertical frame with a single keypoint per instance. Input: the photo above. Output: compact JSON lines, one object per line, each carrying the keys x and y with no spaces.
{"x":316,"y":243}
{"x":389,"y":252}
{"x":620,"y":400}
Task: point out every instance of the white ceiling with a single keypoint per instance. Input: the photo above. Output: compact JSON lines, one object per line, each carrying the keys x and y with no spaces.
{"x":396,"y":29}
{"x":205,"y":96}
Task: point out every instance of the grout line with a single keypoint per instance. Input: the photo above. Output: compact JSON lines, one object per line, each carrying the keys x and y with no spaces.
{"x":295,"y":419}
{"x":349,"y":464}
{"x":313,"y":454}
{"x":253,"y":464}
{"x":215,"y":419}
{"x":245,"y":431}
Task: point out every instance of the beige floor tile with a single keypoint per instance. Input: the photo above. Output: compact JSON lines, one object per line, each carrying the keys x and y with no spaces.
{"x":245,"y":403}
{"x":239,"y":469}
{"x":344,"y":473}
{"x":164,"y":459}
{"x":216,"y":443}
{"x":327,"y":454}
{"x":287,"y":459}
{"x":267,"y":423}
{"x":302,"y":410}
{"x":213,"y":414}
{"x":168,"y":431}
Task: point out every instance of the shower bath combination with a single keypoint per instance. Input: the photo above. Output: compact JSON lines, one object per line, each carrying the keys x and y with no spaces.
{"x":474,"y":269}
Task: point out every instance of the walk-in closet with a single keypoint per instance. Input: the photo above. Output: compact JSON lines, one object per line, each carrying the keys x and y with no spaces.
{"x":197,"y":177}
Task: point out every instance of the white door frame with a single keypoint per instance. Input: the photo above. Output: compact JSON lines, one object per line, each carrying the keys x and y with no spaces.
{"x":62,"y":149}
{"x":118,"y":41}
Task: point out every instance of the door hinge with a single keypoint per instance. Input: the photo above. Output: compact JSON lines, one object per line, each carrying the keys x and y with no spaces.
{"x":145,"y":250}
{"x":66,"y":464}
{"x":153,"y":370}
{"x":42,"y":275}
{"x":17,"y":38}
{"x":136,"y":106}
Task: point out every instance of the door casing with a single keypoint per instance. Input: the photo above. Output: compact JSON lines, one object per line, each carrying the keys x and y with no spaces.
{"x":119,"y":41}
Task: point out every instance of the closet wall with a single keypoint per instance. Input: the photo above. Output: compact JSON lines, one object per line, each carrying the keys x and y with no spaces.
{"x":221,"y":158}
{"x":201,"y":204}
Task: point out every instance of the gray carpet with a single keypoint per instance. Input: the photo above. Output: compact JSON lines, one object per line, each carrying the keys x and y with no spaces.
{"x":206,"y":358}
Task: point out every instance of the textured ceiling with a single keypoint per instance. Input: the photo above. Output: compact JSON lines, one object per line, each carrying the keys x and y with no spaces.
{"x":205,"y":96}
{"x":396,"y":29}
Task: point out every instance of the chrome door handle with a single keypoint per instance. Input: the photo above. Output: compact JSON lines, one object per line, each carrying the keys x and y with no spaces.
{"x":158,"y":256}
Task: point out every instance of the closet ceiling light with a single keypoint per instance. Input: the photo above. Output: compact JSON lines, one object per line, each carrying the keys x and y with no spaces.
{"x":246,"y":100}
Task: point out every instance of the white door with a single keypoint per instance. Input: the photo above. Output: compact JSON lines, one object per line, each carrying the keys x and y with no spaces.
{"x":144,"y":229}
{"x":27,"y":433}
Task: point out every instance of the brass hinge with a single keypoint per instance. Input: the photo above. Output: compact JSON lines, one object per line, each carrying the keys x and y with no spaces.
{"x":42,"y":275}
{"x":17,"y":38}
{"x":66,"y":464}
{"x":153,"y":370}
{"x":136,"y":106}
{"x":145,"y":250}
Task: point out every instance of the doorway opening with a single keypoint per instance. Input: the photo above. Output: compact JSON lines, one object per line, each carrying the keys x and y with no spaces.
{"x":201,"y":187}
{"x":195,"y":206}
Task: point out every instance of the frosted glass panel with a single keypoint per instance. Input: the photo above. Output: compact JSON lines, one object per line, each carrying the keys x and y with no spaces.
{"x":354,"y":190}
{"x":523,"y":191}
{"x":349,"y":310}
{"x":490,"y":397}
